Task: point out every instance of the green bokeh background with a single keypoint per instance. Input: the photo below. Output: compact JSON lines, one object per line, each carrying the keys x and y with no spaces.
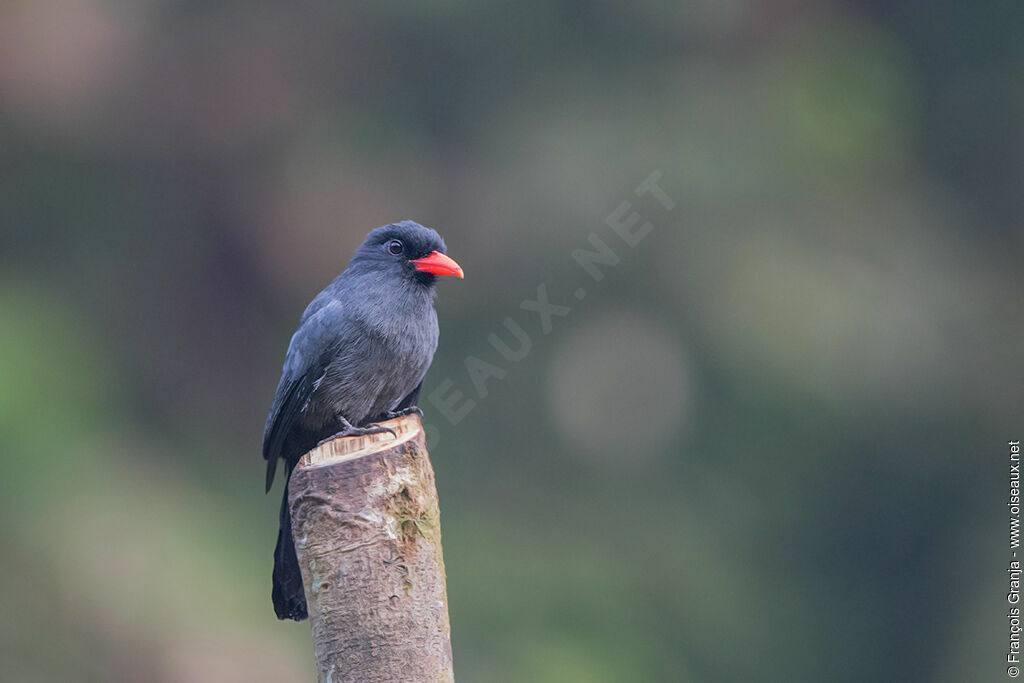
{"x":769,"y":445}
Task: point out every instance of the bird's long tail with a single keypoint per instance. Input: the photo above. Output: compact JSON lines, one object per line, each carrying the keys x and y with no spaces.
{"x":288,"y":595}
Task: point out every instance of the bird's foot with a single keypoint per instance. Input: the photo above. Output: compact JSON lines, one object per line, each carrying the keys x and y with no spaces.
{"x":374,"y":428}
{"x":348,"y":429}
{"x":392,"y":414}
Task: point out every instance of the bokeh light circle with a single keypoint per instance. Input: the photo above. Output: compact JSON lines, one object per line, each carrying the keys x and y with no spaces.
{"x":620,"y":387}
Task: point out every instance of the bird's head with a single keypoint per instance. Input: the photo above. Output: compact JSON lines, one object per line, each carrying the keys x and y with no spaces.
{"x":407,"y":250}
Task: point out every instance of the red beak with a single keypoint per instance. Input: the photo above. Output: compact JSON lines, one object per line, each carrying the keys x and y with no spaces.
{"x":437,"y":263}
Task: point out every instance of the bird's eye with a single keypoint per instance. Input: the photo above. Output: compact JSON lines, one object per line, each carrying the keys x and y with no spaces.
{"x":394,"y":247}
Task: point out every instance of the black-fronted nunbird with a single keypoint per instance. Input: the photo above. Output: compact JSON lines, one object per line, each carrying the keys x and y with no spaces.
{"x":359,"y":357}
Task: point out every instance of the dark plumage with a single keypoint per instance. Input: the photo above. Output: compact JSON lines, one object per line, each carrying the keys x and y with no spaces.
{"x":359,"y":356}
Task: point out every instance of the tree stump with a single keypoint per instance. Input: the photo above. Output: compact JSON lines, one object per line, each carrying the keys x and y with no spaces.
{"x":367,"y":531}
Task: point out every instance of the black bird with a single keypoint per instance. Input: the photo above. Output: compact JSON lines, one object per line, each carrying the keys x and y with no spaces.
{"x":359,"y":356}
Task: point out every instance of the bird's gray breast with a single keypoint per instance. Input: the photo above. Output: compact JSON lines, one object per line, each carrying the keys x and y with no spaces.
{"x":382,"y":360}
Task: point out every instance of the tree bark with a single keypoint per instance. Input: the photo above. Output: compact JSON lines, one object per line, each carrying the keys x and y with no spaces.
{"x":367,"y":531}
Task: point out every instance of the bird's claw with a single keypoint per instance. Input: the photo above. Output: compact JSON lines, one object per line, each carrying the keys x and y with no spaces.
{"x":392,"y":414}
{"x":348,"y":429}
{"x":374,"y":428}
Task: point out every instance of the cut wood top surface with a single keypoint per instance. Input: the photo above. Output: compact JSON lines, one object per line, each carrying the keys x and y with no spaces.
{"x":350,"y":447}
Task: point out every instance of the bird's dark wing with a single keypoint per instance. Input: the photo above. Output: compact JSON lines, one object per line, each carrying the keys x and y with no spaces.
{"x":312,"y":348}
